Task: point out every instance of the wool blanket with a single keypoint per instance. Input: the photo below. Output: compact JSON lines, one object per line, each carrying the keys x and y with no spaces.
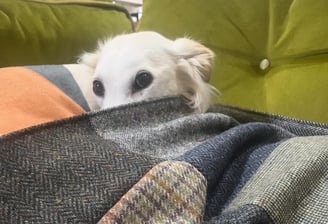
{"x":157,"y":162}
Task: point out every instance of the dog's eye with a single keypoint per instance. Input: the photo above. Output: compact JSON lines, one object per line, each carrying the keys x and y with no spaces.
{"x":143,"y":79}
{"x":98,"y":88}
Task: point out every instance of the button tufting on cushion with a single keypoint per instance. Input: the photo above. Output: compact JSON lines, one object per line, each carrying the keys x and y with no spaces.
{"x":264,"y":64}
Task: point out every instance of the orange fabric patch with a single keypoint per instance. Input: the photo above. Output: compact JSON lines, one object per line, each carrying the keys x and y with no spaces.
{"x":29,"y":99}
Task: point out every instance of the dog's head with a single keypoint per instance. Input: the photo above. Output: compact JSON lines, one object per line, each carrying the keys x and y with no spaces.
{"x":138,"y":66}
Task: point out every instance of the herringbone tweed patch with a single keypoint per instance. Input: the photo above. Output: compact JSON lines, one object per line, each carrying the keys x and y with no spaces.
{"x":58,"y":175}
{"x":172,"y":192}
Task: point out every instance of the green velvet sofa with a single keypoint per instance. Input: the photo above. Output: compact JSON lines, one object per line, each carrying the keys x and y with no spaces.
{"x":36,"y":32}
{"x":271,"y":56}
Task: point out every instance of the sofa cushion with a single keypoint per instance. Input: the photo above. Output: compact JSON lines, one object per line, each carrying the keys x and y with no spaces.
{"x":56,"y":32}
{"x":272,"y":56}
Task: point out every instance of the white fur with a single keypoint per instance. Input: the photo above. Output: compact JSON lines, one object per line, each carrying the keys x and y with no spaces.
{"x":179,"y":67}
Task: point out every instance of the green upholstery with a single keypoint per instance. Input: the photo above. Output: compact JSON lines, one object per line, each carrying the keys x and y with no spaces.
{"x":56,"y":32}
{"x":291,"y":34}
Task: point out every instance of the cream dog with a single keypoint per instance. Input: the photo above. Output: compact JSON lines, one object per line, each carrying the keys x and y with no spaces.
{"x":143,"y":65}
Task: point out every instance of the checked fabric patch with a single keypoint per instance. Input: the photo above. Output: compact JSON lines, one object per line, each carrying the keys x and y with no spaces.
{"x":171,"y":192}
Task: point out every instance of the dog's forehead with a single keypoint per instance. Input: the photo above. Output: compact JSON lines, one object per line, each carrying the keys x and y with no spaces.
{"x":134,"y":50}
{"x":124,"y":55}
{"x":137,"y":42}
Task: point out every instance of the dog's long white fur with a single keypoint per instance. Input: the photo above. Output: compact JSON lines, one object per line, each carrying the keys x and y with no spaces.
{"x":179,"y":67}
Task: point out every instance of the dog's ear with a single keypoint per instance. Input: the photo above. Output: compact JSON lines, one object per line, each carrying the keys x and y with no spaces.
{"x":194,"y":66}
{"x":89,"y":59}
{"x":197,"y":55}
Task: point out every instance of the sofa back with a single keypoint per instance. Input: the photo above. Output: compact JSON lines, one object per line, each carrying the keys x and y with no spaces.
{"x":272,"y":56}
{"x":36,"y":32}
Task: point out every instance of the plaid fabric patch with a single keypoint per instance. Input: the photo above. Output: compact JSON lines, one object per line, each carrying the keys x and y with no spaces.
{"x":172,"y":192}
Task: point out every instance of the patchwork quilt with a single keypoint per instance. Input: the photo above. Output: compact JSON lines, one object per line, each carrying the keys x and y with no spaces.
{"x":157,"y":162}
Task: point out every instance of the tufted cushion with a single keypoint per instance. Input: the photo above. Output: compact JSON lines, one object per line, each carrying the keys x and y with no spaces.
{"x":291,"y":34}
{"x":56,"y":32}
